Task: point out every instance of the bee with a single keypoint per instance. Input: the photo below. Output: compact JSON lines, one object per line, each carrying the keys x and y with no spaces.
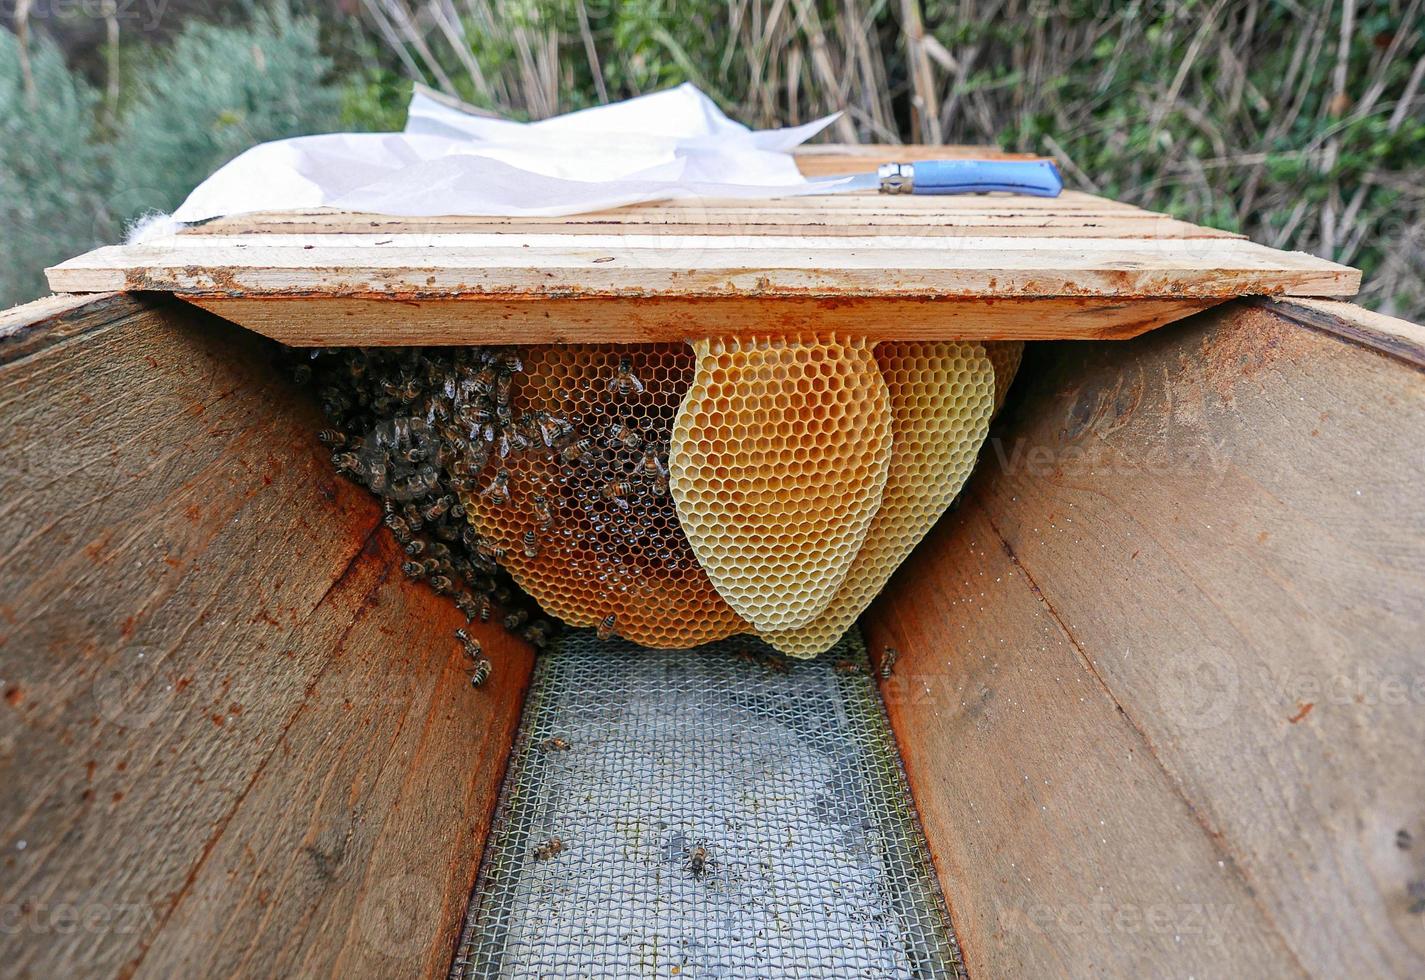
{"x":616,"y":491}
{"x":480,"y":667}
{"x":498,"y":492}
{"x":442,"y":584}
{"x":483,"y":607}
{"x":888,"y":661}
{"x":654,"y":464}
{"x":472,"y":606}
{"x":624,"y":436}
{"x":332,"y":438}
{"x":624,"y":381}
{"x":516,"y":619}
{"x":347,"y":462}
{"x":537,"y":634}
{"x":399,"y":528}
{"x":377,"y":477}
{"x":576,"y":451}
{"x":847,"y":667}
{"x":482,"y":384}
{"x":698,"y":861}
{"x":437,"y":508}
{"x":530,"y":543}
{"x":548,"y":849}
{"x":413,"y":569}
{"x":606,"y":627}
{"x":480,"y":672}
{"x":543,"y":511}
{"x":550,"y":429}
{"x":554,"y":745}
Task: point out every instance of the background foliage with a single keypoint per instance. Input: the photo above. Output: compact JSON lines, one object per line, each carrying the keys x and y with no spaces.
{"x":1298,"y":123}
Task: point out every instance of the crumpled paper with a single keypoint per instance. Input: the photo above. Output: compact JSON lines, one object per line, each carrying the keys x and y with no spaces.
{"x":670,"y":144}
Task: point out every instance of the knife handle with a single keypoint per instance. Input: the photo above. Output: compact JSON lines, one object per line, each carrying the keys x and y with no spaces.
{"x":1039,"y":178}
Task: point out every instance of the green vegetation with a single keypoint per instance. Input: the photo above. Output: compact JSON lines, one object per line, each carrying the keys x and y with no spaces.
{"x":72,"y":175}
{"x":52,"y":186}
{"x":215,"y":92}
{"x":1297,"y":123}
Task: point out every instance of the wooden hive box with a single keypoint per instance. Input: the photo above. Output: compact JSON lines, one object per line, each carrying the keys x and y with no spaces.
{"x":1159,"y":684}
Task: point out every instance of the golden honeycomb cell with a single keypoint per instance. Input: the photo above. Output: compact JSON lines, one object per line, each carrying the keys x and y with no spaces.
{"x":597,"y":557}
{"x":942,"y":396}
{"x":1005,"y":355}
{"x":778,"y":461}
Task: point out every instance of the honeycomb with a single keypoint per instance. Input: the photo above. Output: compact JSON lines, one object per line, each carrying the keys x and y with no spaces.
{"x":778,"y":461}
{"x":942,"y":396}
{"x":1005,"y":355}
{"x":590,"y":531}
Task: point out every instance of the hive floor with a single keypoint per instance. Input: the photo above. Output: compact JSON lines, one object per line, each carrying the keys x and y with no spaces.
{"x":790,"y":780}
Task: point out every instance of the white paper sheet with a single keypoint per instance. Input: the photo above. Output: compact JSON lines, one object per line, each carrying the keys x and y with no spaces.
{"x":669,"y":144}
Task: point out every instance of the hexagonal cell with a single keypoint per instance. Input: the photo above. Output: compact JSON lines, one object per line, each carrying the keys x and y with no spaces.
{"x":801,"y":426}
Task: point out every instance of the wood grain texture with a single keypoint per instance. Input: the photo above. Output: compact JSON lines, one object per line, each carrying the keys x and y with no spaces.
{"x":234,"y":739}
{"x":997,"y":249}
{"x":1389,"y":334}
{"x":382,"y":322}
{"x":698,"y":266}
{"x":1170,"y":654}
{"x":825,"y":159}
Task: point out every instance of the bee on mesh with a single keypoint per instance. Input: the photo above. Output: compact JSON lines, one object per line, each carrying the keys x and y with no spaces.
{"x":699,"y":861}
{"x":549,"y":849}
{"x":605,"y":629}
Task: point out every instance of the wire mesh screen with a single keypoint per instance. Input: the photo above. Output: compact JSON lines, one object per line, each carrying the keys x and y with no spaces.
{"x":716,"y":812}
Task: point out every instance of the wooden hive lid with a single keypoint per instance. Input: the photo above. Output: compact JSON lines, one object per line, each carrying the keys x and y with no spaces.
{"x":991,"y":266}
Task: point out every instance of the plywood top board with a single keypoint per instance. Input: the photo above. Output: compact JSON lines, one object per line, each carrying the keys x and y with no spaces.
{"x":990,"y":266}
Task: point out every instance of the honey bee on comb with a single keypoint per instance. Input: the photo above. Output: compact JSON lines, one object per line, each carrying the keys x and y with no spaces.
{"x":417,"y":427}
{"x":624,"y":381}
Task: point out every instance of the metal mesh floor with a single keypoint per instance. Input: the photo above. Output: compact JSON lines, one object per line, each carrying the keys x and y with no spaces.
{"x":816,"y":866}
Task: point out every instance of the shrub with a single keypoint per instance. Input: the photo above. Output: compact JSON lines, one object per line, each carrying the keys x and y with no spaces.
{"x":213,"y":94}
{"x":52,"y":178}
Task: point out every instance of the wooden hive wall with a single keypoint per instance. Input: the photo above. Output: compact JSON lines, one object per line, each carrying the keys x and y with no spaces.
{"x":295,"y":778}
{"x":1161,"y":675}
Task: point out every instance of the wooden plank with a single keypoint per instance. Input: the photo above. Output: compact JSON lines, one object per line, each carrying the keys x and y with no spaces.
{"x":823,"y":159}
{"x":1223,"y":521}
{"x":1062,"y":847}
{"x":234,"y":739}
{"x":31,"y":327}
{"x":1389,"y":334}
{"x":699,"y":266}
{"x":733,"y":223}
{"x":376,"y":322}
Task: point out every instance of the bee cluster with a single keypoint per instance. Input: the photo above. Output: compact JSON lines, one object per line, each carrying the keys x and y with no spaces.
{"x":442,"y":437}
{"x":420,"y":428}
{"x":581,"y":507}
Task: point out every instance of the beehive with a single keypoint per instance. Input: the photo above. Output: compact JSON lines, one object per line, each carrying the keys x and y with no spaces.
{"x":1005,"y":355}
{"x":942,"y":395}
{"x":778,"y":462}
{"x":606,"y":538}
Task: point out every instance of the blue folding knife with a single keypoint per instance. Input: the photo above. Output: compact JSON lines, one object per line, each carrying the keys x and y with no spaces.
{"x":1039,"y":178}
